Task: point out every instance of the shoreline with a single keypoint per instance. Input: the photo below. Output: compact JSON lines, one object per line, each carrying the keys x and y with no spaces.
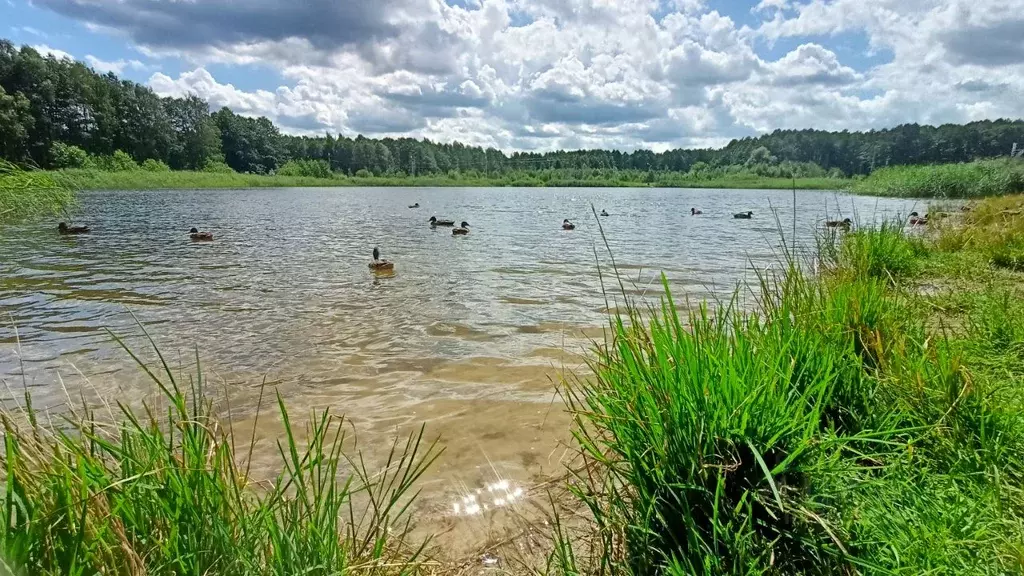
{"x":184,"y":180}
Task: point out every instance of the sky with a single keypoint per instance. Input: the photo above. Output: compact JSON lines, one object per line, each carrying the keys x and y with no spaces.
{"x":555,"y":74}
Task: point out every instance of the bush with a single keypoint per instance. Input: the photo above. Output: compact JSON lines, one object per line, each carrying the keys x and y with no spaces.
{"x":153,"y":165}
{"x":119,"y":161}
{"x":217,"y":167}
{"x":67,"y":156}
{"x":307,"y":168}
{"x":364,"y":173}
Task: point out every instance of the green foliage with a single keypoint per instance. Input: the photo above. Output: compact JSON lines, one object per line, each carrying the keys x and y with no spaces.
{"x":830,"y":431}
{"x":67,"y":156}
{"x":308,"y":168}
{"x":884,"y":252}
{"x":217,"y":167}
{"x":145,"y":496}
{"x":970,"y":180}
{"x":151,"y":165}
{"x":119,"y":161}
{"x":363,"y":173}
{"x":24,"y":194}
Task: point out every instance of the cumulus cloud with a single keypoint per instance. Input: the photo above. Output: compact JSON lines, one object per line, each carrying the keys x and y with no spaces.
{"x":115,"y":66}
{"x":47,"y":51}
{"x":525,"y":74}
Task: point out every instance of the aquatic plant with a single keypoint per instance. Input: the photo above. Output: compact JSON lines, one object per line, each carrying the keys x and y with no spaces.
{"x":143,"y":494}
{"x":967,"y":180}
{"x":25,"y":193}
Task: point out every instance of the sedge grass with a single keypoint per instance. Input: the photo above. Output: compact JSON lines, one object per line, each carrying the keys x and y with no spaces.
{"x":24,"y":194}
{"x":833,"y":430}
{"x":165,"y":492}
{"x":967,"y":180}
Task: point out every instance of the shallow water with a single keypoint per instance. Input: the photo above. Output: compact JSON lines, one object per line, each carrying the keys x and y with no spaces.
{"x":469,"y":334}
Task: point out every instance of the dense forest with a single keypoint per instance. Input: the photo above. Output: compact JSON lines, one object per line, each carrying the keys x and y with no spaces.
{"x":62,"y":114}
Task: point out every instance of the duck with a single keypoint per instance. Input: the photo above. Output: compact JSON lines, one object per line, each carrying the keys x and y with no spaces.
{"x":435,"y":222}
{"x":694,"y":212}
{"x":416,"y":205}
{"x":462,"y":230}
{"x":604,"y":212}
{"x":379,"y":265}
{"x":744,"y":215}
{"x":198,"y":236}
{"x":845,"y":223}
{"x":65,"y":230}
{"x":916,"y":220}
{"x":566,"y":225}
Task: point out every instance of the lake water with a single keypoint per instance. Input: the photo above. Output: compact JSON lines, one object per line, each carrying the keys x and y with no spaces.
{"x":470,"y":335}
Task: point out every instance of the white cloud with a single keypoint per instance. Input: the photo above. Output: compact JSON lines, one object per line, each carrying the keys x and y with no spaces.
{"x":611,"y":73}
{"x":47,"y":51}
{"x":115,"y":66}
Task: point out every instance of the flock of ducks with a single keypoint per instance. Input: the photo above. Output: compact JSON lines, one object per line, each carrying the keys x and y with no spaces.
{"x":381,"y":265}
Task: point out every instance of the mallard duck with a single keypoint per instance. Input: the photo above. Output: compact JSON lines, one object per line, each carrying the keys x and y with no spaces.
{"x":604,"y":213}
{"x":461,"y":230}
{"x":744,"y":215}
{"x":916,"y":220}
{"x":566,"y":225}
{"x":416,"y":205}
{"x":379,"y":265}
{"x":694,"y":212}
{"x":64,"y":229}
{"x":198,"y":236}
{"x":845,"y":223}
{"x":435,"y":222}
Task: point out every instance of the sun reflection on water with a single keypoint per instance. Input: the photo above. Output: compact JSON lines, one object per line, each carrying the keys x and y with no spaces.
{"x":494,"y":495}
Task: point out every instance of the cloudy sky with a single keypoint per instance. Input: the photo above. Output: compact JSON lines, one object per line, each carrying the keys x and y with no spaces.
{"x":547,"y":74}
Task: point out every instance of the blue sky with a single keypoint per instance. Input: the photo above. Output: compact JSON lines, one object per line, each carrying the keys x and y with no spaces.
{"x":545,"y":74}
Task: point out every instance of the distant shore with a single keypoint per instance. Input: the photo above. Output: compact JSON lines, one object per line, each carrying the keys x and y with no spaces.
{"x":184,"y":180}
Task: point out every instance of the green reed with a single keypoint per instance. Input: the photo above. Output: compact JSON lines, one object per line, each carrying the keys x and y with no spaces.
{"x":831,"y":431}
{"x":166,"y":491}
{"x":968,"y":180}
{"x":25,"y":194}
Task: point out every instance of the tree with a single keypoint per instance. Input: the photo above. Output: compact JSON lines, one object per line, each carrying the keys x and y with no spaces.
{"x":15,"y":123}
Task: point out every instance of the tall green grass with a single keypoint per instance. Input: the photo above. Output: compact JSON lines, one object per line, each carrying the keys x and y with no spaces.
{"x":167,"y":491}
{"x":969,"y":180}
{"x":25,"y":194}
{"x":831,"y":431}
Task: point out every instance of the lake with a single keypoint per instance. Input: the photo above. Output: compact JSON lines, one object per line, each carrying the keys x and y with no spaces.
{"x":470,"y":334}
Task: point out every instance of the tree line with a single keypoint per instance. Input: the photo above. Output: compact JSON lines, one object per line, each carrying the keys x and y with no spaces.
{"x":58,"y":113}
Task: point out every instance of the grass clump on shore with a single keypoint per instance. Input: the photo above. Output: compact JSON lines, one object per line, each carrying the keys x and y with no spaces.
{"x":968,"y":180}
{"x":153,"y":494}
{"x":24,"y":194}
{"x":840,"y":428}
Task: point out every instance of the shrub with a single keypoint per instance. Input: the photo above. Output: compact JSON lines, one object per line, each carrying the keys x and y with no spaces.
{"x":364,"y":173}
{"x":307,"y":168}
{"x":217,"y":167}
{"x":67,"y":156}
{"x":119,"y":161}
{"x":153,"y":165}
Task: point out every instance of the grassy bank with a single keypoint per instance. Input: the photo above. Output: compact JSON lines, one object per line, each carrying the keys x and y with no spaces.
{"x":968,"y":180}
{"x":25,"y":194}
{"x":146,"y":180}
{"x":868,"y":419}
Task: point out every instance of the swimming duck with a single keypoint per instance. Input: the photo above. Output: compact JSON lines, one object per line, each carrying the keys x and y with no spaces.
{"x":694,"y":212}
{"x":461,"y":230}
{"x":379,"y":265}
{"x":198,"y":236}
{"x":566,"y":225}
{"x":916,"y":220}
{"x":845,"y":223}
{"x":435,"y":222}
{"x":64,"y":229}
{"x":416,"y":205}
{"x":604,"y":213}
{"x":744,"y":215}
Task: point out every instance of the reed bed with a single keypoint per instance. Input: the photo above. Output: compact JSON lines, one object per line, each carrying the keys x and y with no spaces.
{"x":967,"y":180}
